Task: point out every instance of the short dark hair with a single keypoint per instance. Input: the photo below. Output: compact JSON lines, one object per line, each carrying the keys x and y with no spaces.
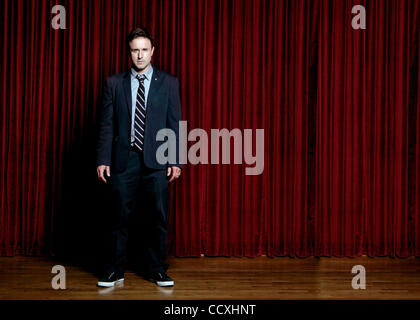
{"x":139,"y":33}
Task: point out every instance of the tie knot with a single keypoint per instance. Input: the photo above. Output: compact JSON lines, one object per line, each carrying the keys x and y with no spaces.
{"x":140,"y":77}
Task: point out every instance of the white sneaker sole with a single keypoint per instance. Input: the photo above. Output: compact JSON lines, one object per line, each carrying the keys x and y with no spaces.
{"x":109,"y":284}
{"x":165,"y":283}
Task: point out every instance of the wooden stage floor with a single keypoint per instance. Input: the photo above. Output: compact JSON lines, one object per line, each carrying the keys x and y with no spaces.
{"x":261,"y":278}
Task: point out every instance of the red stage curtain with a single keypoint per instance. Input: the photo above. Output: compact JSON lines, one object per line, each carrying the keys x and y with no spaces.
{"x":340,"y":109}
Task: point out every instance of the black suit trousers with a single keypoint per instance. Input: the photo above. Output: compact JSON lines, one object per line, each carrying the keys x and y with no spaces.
{"x":144,"y":193}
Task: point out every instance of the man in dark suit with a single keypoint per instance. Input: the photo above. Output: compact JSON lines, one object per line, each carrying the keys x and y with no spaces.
{"x":136,"y":105}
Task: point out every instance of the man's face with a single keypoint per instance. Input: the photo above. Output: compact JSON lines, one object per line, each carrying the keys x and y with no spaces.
{"x":141,"y":53}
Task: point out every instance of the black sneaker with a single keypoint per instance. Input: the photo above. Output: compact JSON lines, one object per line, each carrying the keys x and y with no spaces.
{"x":110,"y":280}
{"x":161,"y":279}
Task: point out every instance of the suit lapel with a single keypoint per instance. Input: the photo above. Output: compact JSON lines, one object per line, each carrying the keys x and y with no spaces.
{"x":127,"y":91}
{"x":155,"y":84}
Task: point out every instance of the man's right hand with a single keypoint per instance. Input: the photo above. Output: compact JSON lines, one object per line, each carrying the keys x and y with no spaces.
{"x":101,"y":170}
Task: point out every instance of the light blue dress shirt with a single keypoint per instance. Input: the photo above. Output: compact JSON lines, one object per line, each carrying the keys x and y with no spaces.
{"x":134,"y":88}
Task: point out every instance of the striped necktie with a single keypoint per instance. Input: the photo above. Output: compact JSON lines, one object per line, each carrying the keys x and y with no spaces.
{"x":140,"y":115}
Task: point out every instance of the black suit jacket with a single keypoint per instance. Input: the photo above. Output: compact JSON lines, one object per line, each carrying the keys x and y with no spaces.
{"x":163,"y":110}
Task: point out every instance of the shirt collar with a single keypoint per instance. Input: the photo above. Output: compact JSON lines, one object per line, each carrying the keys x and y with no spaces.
{"x":148,"y":73}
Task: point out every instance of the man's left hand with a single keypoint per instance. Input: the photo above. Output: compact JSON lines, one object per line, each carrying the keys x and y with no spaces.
{"x":174,"y":173}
